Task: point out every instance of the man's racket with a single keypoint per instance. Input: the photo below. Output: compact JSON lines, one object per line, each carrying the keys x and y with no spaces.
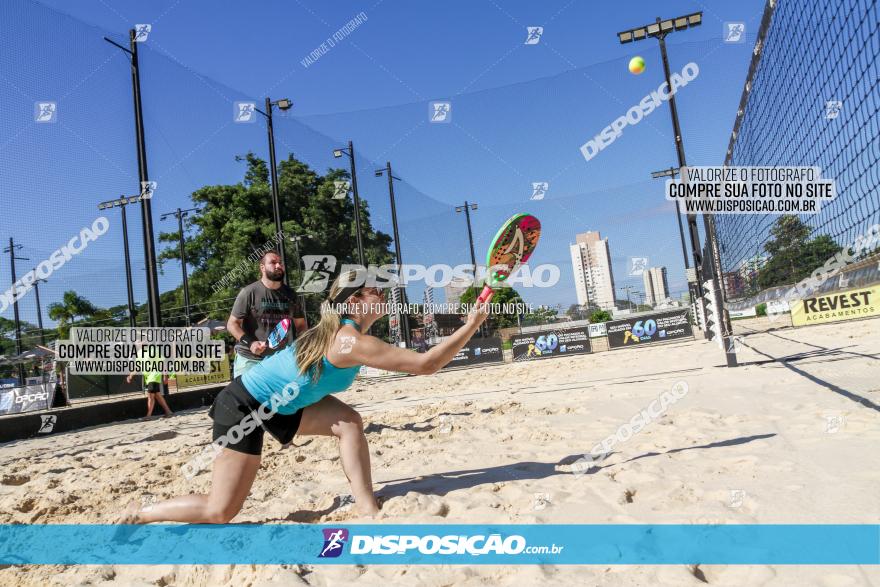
{"x":512,"y":246}
{"x":279,"y":333}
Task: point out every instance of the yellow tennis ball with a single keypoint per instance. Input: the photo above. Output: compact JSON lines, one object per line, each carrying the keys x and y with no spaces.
{"x":636,"y":65}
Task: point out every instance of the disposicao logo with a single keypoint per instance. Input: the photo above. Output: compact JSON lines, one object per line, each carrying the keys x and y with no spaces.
{"x":334,"y":541}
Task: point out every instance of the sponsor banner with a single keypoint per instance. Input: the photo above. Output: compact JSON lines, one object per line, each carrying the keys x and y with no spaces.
{"x":551,"y":343}
{"x":778,"y":307}
{"x":598,"y":330}
{"x":438,"y":544}
{"x":648,"y":328}
{"x":7,"y":383}
{"x":16,"y":400}
{"x":743,"y":313}
{"x":219,"y":374}
{"x":833,"y":307}
{"x":478,"y":351}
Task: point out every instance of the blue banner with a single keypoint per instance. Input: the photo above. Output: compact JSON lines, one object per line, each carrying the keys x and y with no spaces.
{"x":62,"y":544}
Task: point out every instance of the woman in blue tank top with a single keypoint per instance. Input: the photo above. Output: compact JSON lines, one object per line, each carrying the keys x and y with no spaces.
{"x":290,"y":393}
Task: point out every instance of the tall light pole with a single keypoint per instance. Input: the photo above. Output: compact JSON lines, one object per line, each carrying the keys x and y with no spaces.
{"x":37,"y":283}
{"x":467,"y":214}
{"x":468,"y":206}
{"x":283,"y":104}
{"x":659,"y":29}
{"x":146,"y":209}
{"x":18,"y":350}
{"x":180,"y":215}
{"x":122,"y":202}
{"x":387,"y":171}
{"x":357,"y":201}
{"x":295,"y":239}
{"x":672,"y":172}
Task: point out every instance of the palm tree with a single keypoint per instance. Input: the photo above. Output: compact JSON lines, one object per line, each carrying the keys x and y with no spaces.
{"x":66,"y":312}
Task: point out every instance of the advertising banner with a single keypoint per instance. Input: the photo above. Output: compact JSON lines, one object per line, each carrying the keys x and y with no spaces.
{"x":649,"y":328}
{"x":478,"y":351}
{"x":551,"y":343}
{"x":833,"y":307}
{"x":219,"y":374}
{"x":598,"y":330}
{"x":39,"y":396}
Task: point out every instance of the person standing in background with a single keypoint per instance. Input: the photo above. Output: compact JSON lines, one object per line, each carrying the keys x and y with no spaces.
{"x":258,"y":308}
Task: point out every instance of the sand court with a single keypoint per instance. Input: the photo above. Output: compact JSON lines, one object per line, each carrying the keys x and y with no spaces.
{"x":773,"y":441}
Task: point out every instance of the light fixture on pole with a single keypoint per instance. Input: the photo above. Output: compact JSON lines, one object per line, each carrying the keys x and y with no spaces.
{"x":282,"y":104}
{"x":391,"y":177}
{"x":660,"y":29}
{"x":146,"y":209}
{"x":672,"y":172}
{"x":337,"y":153}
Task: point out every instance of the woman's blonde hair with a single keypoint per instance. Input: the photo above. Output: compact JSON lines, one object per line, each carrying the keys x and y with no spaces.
{"x":314,"y":342}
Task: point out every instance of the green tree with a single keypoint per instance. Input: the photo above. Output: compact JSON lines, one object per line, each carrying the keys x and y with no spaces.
{"x":793,"y":254}
{"x":503,"y":295}
{"x":235,"y":220}
{"x":600,"y":316}
{"x":71,"y":307}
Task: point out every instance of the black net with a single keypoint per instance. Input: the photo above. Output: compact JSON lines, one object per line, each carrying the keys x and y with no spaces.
{"x":811,"y":99}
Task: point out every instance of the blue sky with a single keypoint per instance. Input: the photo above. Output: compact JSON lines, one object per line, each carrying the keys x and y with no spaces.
{"x":519,"y":115}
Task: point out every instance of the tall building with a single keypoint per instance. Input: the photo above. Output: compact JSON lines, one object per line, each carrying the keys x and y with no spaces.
{"x":454,"y":290}
{"x":656,"y":286}
{"x":591,"y":264}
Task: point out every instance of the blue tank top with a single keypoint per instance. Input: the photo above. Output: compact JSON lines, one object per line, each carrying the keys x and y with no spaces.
{"x":272,"y":377}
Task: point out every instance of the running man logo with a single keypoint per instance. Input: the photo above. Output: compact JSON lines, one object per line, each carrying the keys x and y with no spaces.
{"x":148,"y":188}
{"x":734,"y":32}
{"x":318,"y":269}
{"x":440,"y":112}
{"x":340,"y":189}
{"x":638,"y":265}
{"x":141,"y":32}
{"x":533,"y":36}
{"x":334,"y":541}
{"x":539,"y":189}
{"x":243,"y":112}
{"x":832,"y":109}
{"x":47,"y":424}
{"x":45,"y":112}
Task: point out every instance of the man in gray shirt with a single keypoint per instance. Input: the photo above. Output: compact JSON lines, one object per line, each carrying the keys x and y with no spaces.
{"x":258,"y":308}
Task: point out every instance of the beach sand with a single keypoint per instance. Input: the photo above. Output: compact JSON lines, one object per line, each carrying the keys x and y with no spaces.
{"x":768,"y":442}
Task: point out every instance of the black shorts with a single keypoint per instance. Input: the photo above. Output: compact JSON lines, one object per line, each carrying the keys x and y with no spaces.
{"x":231,"y":407}
{"x":154,"y":387}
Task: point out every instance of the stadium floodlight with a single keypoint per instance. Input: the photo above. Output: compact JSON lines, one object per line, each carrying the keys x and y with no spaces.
{"x":660,"y":28}
{"x":284,"y":104}
{"x":337,"y":153}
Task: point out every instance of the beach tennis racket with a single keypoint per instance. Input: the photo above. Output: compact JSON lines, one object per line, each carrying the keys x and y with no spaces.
{"x":512,"y":246}
{"x":278,"y":334}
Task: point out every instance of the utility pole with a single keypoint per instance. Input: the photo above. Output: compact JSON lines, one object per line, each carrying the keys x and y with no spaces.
{"x":180,"y":215}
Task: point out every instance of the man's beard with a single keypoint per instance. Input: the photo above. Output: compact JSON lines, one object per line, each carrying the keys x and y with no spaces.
{"x":277,"y":276}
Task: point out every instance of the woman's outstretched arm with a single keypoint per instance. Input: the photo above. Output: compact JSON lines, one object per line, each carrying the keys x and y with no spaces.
{"x":370,"y":351}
